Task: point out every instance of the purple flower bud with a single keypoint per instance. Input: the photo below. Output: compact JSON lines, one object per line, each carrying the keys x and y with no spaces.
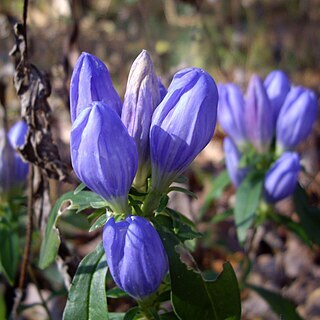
{"x":233,"y":157}
{"x":103,"y":155}
{"x":90,"y":82}
{"x":258,"y":115}
{"x":231,"y":110}
{"x":141,"y":98}
{"x":7,"y":163}
{"x":162,"y":89}
{"x":135,"y":255}
{"x":277,"y":85}
{"x":281,"y":179}
{"x":296,"y":118}
{"x":17,"y":135}
{"x":182,"y":125}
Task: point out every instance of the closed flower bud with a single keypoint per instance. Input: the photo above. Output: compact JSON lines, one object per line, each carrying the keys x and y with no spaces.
{"x":7,"y":163}
{"x":233,"y":157}
{"x":281,"y":179}
{"x":17,"y":135}
{"x":141,"y":98}
{"x":103,"y":155}
{"x":162,"y":89}
{"x":90,"y":82}
{"x":135,"y":255}
{"x":277,"y":85}
{"x":296,"y":118}
{"x":258,"y":115}
{"x":182,"y":125}
{"x":231,"y":113}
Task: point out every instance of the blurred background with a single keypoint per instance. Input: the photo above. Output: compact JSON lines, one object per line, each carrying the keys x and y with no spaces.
{"x":231,"y":39}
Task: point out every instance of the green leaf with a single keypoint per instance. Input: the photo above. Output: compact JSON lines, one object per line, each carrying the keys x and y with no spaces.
{"x":79,"y":188}
{"x":183,"y":190}
{"x":292,"y":226}
{"x":87,"y":298}
{"x":181,"y":230}
{"x":281,"y":306}
{"x":247,"y":200}
{"x":222,"y":216}
{"x":116,"y":293}
{"x":116,"y":315}
{"x":131,"y":314}
{"x":99,"y":223}
{"x":192,"y":296}
{"x":9,"y":252}
{"x":218,"y":185}
{"x":51,"y":242}
{"x":133,"y":191}
{"x":163,"y":203}
{"x":3,"y":308}
{"x":309,"y":215}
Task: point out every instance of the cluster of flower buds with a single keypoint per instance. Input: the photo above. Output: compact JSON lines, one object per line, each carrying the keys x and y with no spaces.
{"x":272,"y":119}
{"x":13,"y":170}
{"x":146,"y":142}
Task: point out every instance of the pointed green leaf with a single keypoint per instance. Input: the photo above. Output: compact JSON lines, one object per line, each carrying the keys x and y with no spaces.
{"x":192,"y":296}
{"x":309,"y":215}
{"x":99,"y":223}
{"x":183,"y":190}
{"x":9,"y":252}
{"x":116,"y":293}
{"x":281,"y":306}
{"x":79,"y":188}
{"x":51,"y":242}
{"x":87,"y":298}
{"x":247,"y":200}
{"x":131,"y":314}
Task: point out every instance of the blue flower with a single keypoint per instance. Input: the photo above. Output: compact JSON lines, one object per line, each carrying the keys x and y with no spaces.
{"x":135,"y":255}
{"x":90,"y":82}
{"x":296,"y":118}
{"x":7,"y":164}
{"x":182,"y":125}
{"x":281,"y":179}
{"x":141,"y":98}
{"x":103,"y":155}
{"x":259,"y":116}
{"x":231,"y":110}
{"x":162,"y":89}
{"x":233,"y":157}
{"x":278,"y":86}
{"x":17,"y":135}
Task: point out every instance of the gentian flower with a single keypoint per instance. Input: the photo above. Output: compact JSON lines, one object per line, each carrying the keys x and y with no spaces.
{"x":17,"y":135}
{"x":233,"y":157}
{"x":135,"y":255}
{"x":231,"y":110}
{"x":103,"y":155}
{"x":278,"y":86}
{"x":281,"y":179}
{"x":258,"y":115}
{"x":182,"y":125}
{"x":141,"y":98}
{"x":296,"y":118}
{"x":7,"y":163}
{"x":90,"y":82}
{"x":162,"y":89}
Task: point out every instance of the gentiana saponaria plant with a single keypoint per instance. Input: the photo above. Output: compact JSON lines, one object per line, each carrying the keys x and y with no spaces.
{"x":263,"y":130}
{"x":128,"y":155}
{"x":13,"y":176}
